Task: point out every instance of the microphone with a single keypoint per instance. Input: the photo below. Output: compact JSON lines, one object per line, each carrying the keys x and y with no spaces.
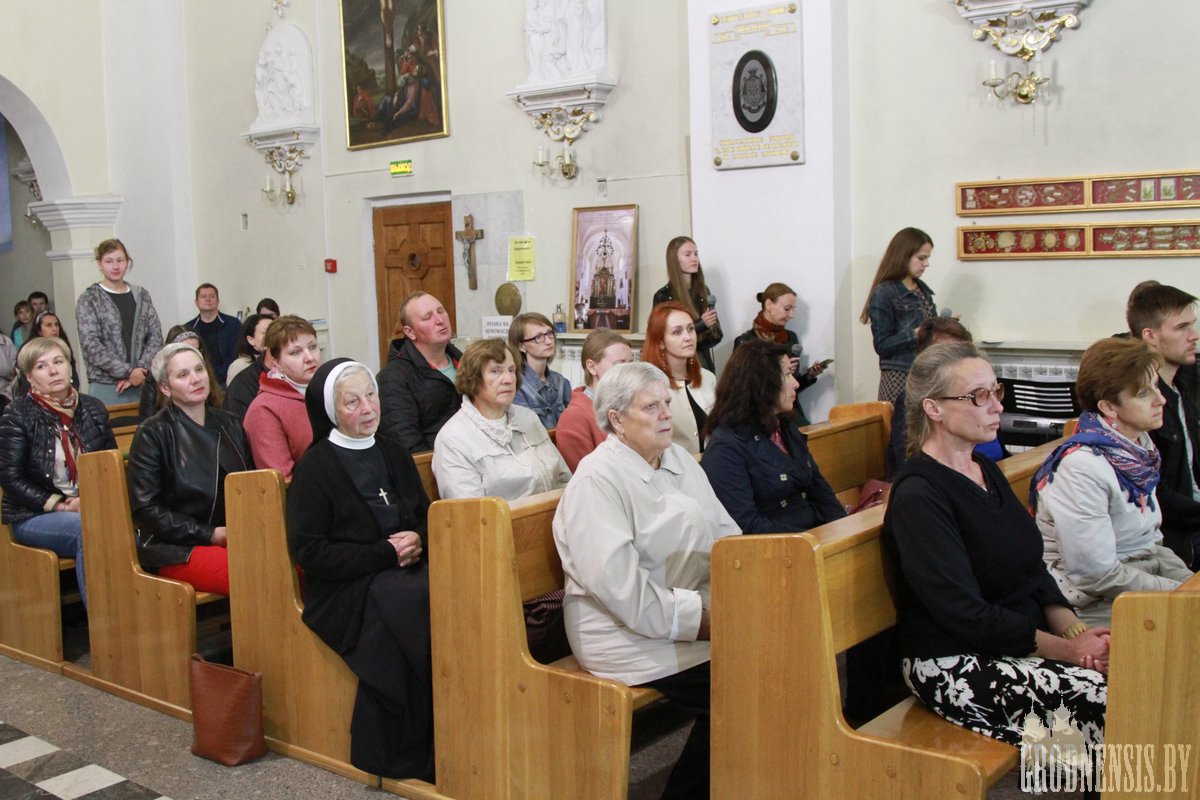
{"x":795,"y":350}
{"x":946,"y":312}
{"x":712,"y":300}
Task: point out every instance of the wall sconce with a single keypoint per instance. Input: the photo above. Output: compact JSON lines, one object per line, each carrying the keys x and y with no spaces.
{"x":1020,"y":30}
{"x":564,"y":126}
{"x":285,"y":161}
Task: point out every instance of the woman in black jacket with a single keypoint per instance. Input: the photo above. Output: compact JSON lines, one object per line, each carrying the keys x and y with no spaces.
{"x":177,"y":467}
{"x":356,"y":526}
{"x":758,"y":461}
{"x":41,"y":437}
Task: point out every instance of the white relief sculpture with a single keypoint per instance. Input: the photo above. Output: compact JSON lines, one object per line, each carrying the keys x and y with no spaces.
{"x":565,"y":39}
{"x":283,"y":79}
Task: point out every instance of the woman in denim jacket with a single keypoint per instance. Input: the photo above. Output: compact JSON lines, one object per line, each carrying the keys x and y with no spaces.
{"x":899,"y":301}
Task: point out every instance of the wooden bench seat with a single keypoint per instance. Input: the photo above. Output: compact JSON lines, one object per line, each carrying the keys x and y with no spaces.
{"x":507,"y":727}
{"x":142,"y":627}
{"x":778,"y":728}
{"x":31,"y":601}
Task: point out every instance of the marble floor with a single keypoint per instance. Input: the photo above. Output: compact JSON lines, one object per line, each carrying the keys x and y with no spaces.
{"x":98,"y":738}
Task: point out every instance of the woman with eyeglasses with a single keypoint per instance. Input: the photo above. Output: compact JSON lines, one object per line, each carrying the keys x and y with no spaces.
{"x":985,"y":635}
{"x":543,"y":391}
{"x":1094,"y":495}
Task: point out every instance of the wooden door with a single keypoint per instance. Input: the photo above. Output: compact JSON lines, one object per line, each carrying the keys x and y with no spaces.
{"x":413,"y":252}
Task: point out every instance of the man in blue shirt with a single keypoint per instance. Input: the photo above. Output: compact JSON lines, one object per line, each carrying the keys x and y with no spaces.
{"x":218,"y":331}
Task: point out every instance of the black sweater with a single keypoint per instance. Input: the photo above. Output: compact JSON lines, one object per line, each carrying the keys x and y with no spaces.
{"x":970,"y":575}
{"x":335,"y":539}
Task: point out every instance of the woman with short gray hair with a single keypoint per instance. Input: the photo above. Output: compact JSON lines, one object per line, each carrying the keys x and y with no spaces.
{"x":635,"y":529}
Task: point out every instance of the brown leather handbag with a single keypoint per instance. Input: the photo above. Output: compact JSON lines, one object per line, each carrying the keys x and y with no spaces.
{"x":227,"y":713}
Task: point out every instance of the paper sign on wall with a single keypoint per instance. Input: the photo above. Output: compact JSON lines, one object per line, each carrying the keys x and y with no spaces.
{"x":496,"y":327}
{"x":520,"y":258}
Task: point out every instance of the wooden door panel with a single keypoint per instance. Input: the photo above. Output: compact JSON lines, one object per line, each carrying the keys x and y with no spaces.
{"x":411,"y":254}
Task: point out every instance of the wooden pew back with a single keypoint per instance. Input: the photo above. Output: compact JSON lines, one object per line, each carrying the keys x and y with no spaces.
{"x":1151,"y":682}
{"x":777,"y":722}
{"x":852,"y":446}
{"x":31,"y":602}
{"x":506,"y":726}
{"x":308,"y":691}
{"x":142,"y":627}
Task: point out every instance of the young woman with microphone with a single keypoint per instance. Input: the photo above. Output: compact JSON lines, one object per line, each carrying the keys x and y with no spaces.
{"x":685,"y":285}
{"x":778,"y":303}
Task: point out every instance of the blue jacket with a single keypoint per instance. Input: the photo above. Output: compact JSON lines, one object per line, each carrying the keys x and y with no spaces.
{"x":228,"y":331}
{"x":895,"y":313}
{"x":763,"y":489}
{"x":548,"y":399}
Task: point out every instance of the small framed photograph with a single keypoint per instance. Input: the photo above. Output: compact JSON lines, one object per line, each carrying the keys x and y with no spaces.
{"x":394,"y":65}
{"x":603,"y":268}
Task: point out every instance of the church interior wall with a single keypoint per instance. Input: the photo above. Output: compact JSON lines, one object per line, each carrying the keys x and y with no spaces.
{"x":1122,"y":99}
{"x":895,"y":111}
{"x":23,"y":269}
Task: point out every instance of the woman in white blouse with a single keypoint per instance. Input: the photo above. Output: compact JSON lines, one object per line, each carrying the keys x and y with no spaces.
{"x":635,"y":530}
{"x":492,"y":448}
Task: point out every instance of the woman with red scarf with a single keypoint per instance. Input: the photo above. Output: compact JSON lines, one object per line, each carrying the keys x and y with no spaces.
{"x":41,"y":438}
{"x":778,"y":307}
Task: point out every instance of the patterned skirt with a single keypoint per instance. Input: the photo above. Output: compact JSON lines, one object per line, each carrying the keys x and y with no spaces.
{"x":996,"y":696}
{"x":891,"y":384}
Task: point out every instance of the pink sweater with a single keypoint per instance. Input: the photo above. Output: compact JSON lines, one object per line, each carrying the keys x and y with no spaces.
{"x":277,"y":426}
{"x":577,"y":433}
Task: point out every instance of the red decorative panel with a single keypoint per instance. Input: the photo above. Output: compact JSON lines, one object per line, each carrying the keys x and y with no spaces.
{"x":1020,"y":197}
{"x":1175,"y":238}
{"x":1023,"y":241}
{"x":1153,"y":190}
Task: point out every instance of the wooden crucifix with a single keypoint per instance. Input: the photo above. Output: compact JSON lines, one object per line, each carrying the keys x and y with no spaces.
{"x":469,"y":236}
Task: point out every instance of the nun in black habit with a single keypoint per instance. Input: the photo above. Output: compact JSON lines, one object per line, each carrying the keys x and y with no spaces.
{"x":356,"y":515}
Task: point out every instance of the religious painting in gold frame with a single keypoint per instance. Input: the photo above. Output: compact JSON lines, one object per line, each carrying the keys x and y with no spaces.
{"x":394,"y":71}
{"x":603,"y":268}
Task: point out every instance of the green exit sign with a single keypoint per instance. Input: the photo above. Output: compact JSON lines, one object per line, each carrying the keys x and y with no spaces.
{"x":397,"y":168}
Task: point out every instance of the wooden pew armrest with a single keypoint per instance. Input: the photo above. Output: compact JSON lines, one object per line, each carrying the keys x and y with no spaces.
{"x":641,"y":696}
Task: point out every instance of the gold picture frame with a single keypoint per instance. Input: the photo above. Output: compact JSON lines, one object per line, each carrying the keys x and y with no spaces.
{"x":1119,"y":239}
{"x":1117,"y":191}
{"x":603,"y":268}
{"x":408,"y":49}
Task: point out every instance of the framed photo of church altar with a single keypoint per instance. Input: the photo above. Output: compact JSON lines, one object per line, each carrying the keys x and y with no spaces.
{"x":603,"y":268}
{"x":394,"y":66}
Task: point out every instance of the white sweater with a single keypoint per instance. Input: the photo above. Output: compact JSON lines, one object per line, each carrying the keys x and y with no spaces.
{"x":1097,"y":543}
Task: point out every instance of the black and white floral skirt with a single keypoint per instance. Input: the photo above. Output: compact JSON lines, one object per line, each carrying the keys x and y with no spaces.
{"x":995,"y":696}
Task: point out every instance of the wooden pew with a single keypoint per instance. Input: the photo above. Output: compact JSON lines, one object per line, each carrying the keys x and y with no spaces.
{"x":507,"y":727}
{"x":852,"y":446}
{"x":123,"y":418}
{"x":142,"y":627}
{"x":31,"y":602}
{"x":777,"y":722}
{"x":308,"y":691}
{"x":1151,"y":683}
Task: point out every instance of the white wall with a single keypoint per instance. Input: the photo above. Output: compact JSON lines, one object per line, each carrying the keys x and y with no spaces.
{"x":788,"y":223}
{"x":1123,"y":100}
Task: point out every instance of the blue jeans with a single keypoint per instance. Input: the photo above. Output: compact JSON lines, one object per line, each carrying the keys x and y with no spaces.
{"x":59,"y":531}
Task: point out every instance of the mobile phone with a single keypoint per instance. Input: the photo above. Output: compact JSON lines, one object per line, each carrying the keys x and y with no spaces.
{"x":827,"y":362}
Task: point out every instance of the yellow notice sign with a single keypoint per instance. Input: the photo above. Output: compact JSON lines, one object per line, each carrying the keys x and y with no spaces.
{"x":520,"y":258}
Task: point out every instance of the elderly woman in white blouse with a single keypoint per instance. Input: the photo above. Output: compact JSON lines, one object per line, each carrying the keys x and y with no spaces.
{"x":492,"y":448}
{"x":635,"y":530}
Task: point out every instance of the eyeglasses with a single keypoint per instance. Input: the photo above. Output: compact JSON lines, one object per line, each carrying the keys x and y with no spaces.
{"x":541,"y":338}
{"x":979,"y":397}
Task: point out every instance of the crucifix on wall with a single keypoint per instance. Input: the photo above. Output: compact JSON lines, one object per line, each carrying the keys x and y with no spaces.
{"x":468,"y":236}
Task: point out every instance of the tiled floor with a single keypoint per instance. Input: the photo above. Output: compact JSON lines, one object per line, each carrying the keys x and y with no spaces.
{"x":34,"y":768}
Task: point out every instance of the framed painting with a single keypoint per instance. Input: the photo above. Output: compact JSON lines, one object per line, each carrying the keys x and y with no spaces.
{"x":603,"y":268}
{"x":394,"y":65}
